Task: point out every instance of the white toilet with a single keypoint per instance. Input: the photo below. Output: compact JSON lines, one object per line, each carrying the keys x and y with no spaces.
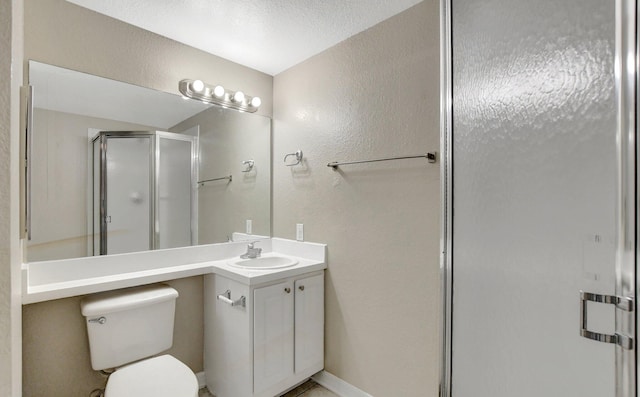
{"x":125,"y":328}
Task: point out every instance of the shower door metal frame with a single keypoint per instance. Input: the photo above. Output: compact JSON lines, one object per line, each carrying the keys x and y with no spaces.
{"x":627,"y":84}
{"x":627,"y":88}
{"x":154,"y":176}
{"x":102,"y":136}
{"x":194,"y":180}
{"x":446,"y":199}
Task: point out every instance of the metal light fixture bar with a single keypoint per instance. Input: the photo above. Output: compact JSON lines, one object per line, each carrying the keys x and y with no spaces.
{"x":217,"y":95}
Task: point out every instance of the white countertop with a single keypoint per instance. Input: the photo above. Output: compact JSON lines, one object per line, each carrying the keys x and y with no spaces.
{"x":43,"y":281}
{"x":256,"y":276}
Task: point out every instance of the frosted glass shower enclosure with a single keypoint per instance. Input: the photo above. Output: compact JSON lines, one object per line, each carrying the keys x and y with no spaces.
{"x":143,"y":191}
{"x":540,"y":181}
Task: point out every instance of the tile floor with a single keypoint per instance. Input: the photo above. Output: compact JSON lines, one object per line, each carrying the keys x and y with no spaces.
{"x":307,"y":389}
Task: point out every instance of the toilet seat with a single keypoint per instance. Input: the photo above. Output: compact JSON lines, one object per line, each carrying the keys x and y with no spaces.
{"x":163,"y":376}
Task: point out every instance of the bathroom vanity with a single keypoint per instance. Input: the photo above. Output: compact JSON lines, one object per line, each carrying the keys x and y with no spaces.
{"x":263,"y":337}
{"x":264,"y":316}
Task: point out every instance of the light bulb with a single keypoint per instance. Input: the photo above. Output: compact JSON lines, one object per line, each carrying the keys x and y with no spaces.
{"x":256,"y":101}
{"x":197,"y":86}
{"x":218,"y":91}
{"x":238,"y":96}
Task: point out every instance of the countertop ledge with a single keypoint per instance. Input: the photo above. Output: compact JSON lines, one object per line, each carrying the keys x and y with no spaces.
{"x":310,"y":257}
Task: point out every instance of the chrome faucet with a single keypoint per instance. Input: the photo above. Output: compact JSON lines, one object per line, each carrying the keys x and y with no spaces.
{"x":252,"y":253}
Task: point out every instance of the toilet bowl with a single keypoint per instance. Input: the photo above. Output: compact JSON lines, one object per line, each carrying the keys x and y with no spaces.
{"x":163,"y":376}
{"x":127,"y":329}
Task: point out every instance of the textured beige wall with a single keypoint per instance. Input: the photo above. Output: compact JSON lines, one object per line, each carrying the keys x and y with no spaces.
{"x":56,"y":349}
{"x":5,"y":198}
{"x":66,"y":35}
{"x":59,"y":182}
{"x":373,"y":95}
{"x":10,"y":79}
{"x":226,"y":139}
{"x":63,"y":34}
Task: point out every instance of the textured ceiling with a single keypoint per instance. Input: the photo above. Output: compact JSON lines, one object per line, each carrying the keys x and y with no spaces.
{"x":267,"y":35}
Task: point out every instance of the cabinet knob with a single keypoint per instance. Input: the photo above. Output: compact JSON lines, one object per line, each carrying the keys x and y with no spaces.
{"x":287,"y":290}
{"x":301,"y":288}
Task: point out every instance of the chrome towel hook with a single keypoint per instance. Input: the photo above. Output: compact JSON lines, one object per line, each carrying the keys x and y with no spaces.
{"x":298,"y":155}
{"x":248,"y":165}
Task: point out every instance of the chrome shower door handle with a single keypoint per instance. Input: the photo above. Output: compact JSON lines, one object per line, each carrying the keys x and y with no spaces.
{"x":621,"y":303}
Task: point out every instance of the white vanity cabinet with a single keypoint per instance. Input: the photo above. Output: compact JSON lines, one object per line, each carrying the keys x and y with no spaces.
{"x":273,"y":335}
{"x":272,"y":343}
{"x":309,"y":323}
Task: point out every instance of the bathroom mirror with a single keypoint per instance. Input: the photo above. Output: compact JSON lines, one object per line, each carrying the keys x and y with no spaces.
{"x":111,"y":161}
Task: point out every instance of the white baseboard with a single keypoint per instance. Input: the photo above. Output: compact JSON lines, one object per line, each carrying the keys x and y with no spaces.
{"x":202,"y":382}
{"x":337,"y":385}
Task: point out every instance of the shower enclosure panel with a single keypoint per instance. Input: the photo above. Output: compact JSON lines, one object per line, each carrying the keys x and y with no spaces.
{"x":127,"y":202}
{"x":143,"y":191}
{"x":540,"y":197}
{"x":176,"y":168}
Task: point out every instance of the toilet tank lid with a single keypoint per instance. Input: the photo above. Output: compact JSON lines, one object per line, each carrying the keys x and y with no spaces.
{"x":126,"y":299}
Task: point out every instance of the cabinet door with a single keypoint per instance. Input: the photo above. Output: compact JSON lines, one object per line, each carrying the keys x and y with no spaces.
{"x":309,"y":323}
{"x":272,"y":335}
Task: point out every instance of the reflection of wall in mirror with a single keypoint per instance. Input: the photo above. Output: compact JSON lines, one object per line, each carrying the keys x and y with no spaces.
{"x":227,"y":138}
{"x":59,"y":182}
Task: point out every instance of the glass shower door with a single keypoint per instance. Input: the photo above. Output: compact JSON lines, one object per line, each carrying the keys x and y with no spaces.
{"x":175,"y":168}
{"x":143,"y":191}
{"x":539,"y":214}
{"x":128,"y":198}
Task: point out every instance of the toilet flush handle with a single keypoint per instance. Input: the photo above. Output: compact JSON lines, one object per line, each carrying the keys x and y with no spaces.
{"x":99,"y":320}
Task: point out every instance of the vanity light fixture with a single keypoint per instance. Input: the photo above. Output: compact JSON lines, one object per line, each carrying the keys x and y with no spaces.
{"x":218,"y":95}
{"x":198,"y":86}
{"x":218,"y":91}
{"x":238,"y":97}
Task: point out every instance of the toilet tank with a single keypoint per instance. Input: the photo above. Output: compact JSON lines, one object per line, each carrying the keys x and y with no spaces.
{"x":130,"y":324}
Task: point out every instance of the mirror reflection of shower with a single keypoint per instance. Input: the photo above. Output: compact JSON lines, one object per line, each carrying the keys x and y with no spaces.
{"x":143,"y":191}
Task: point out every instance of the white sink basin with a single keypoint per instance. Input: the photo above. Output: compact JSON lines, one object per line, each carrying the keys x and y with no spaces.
{"x":264,"y":262}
